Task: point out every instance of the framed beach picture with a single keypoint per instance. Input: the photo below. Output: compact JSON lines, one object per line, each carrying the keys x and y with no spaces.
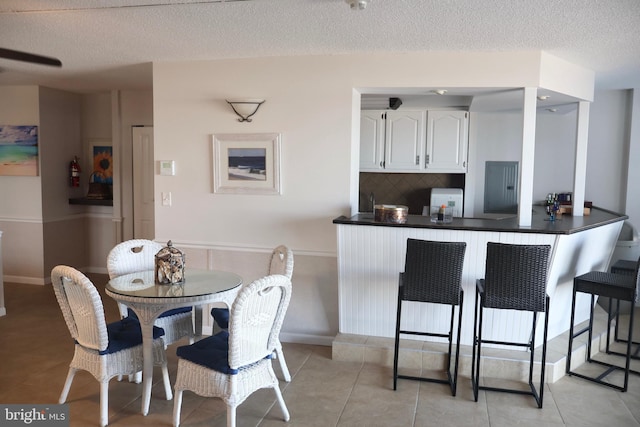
{"x":246,"y":163}
{"x":18,"y":150}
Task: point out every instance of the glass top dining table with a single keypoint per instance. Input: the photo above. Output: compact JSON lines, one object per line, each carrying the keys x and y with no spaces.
{"x":148,"y":300}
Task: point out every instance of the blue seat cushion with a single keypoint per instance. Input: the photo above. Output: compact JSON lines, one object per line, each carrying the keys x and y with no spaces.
{"x":212,"y":352}
{"x":126,"y":333}
{"x":171,"y":312}
{"x":221,"y":316}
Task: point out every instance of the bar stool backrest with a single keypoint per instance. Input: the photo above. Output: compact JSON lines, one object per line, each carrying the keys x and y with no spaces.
{"x":516,"y":276}
{"x":433,"y":271}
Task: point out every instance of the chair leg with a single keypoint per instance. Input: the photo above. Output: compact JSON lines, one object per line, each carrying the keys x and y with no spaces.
{"x":283,"y":363}
{"x":67,"y":385}
{"x":283,"y":406}
{"x":167,"y":383}
{"x":475,"y":353}
{"x":136,"y":378}
{"x":571,"y":335}
{"x":544,"y":350}
{"x":177,"y":406}
{"x":397,"y":343}
{"x":231,"y":416}
{"x":455,"y":371}
{"x":104,"y":403}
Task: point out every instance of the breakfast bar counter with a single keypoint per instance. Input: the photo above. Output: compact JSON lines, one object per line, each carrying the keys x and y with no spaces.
{"x":371,"y":254}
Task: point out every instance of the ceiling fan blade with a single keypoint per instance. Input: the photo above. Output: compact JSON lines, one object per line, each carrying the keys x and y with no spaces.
{"x":29,"y":57}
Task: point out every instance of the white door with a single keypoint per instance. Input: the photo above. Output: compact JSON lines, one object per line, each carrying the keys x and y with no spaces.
{"x":143,"y":170}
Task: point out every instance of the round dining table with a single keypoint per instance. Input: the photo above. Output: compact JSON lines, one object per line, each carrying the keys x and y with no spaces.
{"x":148,"y":300}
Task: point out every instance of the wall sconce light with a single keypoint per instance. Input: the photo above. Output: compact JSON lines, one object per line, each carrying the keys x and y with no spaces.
{"x":245,"y":108}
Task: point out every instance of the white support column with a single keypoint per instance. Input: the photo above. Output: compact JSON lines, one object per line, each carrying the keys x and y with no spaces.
{"x":528,"y":153}
{"x":632,"y":205}
{"x":580,"y":176}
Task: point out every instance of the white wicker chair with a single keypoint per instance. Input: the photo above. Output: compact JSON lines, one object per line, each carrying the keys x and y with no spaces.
{"x":281,"y":262}
{"x":103,"y":350}
{"x":136,"y":255}
{"x":233,"y":364}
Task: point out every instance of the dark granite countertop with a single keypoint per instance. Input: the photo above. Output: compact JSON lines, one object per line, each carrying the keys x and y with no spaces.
{"x":95,"y":202}
{"x":540,"y":223}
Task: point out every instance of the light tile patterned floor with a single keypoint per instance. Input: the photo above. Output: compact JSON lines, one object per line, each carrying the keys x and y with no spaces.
{"x":35,"y":350}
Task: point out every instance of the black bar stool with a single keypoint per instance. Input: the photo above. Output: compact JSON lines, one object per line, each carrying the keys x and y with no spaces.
{"x":626,"y":267}
{"x":622,"y":287}
{"x":433,"y":274}
{"x":515,"y":279}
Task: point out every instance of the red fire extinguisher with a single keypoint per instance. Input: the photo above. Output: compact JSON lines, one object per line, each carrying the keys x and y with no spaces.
{"x":74,"y":172}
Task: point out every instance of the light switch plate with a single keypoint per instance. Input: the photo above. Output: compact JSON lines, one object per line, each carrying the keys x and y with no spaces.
{"x":166,"y":199}
{"x":167,"y":167}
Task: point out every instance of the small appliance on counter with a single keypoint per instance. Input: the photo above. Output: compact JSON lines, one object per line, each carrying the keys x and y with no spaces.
{"x":450,"y":197}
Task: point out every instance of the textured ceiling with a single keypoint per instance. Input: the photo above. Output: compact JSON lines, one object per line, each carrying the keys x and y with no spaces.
{"x":106,"y":44}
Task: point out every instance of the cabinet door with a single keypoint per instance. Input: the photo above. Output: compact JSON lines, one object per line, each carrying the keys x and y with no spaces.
{"x":404,"y":143}
{"x":372,"y":125}
{"x":447,"y":141}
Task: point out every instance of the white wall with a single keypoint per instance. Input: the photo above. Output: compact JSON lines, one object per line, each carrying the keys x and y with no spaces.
{"x":497,"y":135}
{"x":20,"y":195}
{"x":314,"y":103}
{"x":134,"y":108}
{"x":555,"y":153}
{"x":494,"y":136}
{"x":608,"y":150}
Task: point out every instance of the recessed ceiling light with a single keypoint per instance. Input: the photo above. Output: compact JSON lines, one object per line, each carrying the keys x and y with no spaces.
{"x":357,"y":4}
{"x":439,"y":91}
{"x":543,"y":97}
{"x":552,"y":110}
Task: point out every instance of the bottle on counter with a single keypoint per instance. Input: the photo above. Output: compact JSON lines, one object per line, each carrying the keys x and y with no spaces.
{"x":441,"y":212}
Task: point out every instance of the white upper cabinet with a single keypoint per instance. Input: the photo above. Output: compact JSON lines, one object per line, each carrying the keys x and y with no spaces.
{"x":404,"y":140}
{"x":447,"y":141}
{"x":433,"y":141}
{"x":372,"y":131}
{"x":392,"y":141}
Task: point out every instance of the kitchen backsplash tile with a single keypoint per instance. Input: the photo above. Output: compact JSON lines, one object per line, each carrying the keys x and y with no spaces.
{"x":409,"y":189}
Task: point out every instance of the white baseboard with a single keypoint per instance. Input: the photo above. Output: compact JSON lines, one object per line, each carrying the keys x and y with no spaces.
{"x":307,"y":339}
{"x":96,"y":270}
{"x":291,"y":338}
{"x":26,"y":280}
{"x":3,"y":311}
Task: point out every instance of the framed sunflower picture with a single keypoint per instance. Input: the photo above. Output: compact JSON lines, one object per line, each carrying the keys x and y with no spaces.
{"x":101,"y":163}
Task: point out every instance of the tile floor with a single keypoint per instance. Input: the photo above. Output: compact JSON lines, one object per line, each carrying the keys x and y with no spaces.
{"x":35,"y":350}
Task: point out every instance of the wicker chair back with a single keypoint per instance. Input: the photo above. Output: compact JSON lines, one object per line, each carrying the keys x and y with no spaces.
{"x":433,"y":271}
{"x":81,"y":307}
{"x":132,"y":256}
{"x":516,"y":276}
{"x":256,"y":319}
{"x":281,"y":261}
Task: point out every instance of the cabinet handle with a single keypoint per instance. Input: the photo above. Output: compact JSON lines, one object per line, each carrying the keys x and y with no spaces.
{"x":418,"y":160}
{"x":426,"y":160}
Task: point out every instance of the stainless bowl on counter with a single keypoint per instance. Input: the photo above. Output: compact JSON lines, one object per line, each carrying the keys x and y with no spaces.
{"x":390,"y":214}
